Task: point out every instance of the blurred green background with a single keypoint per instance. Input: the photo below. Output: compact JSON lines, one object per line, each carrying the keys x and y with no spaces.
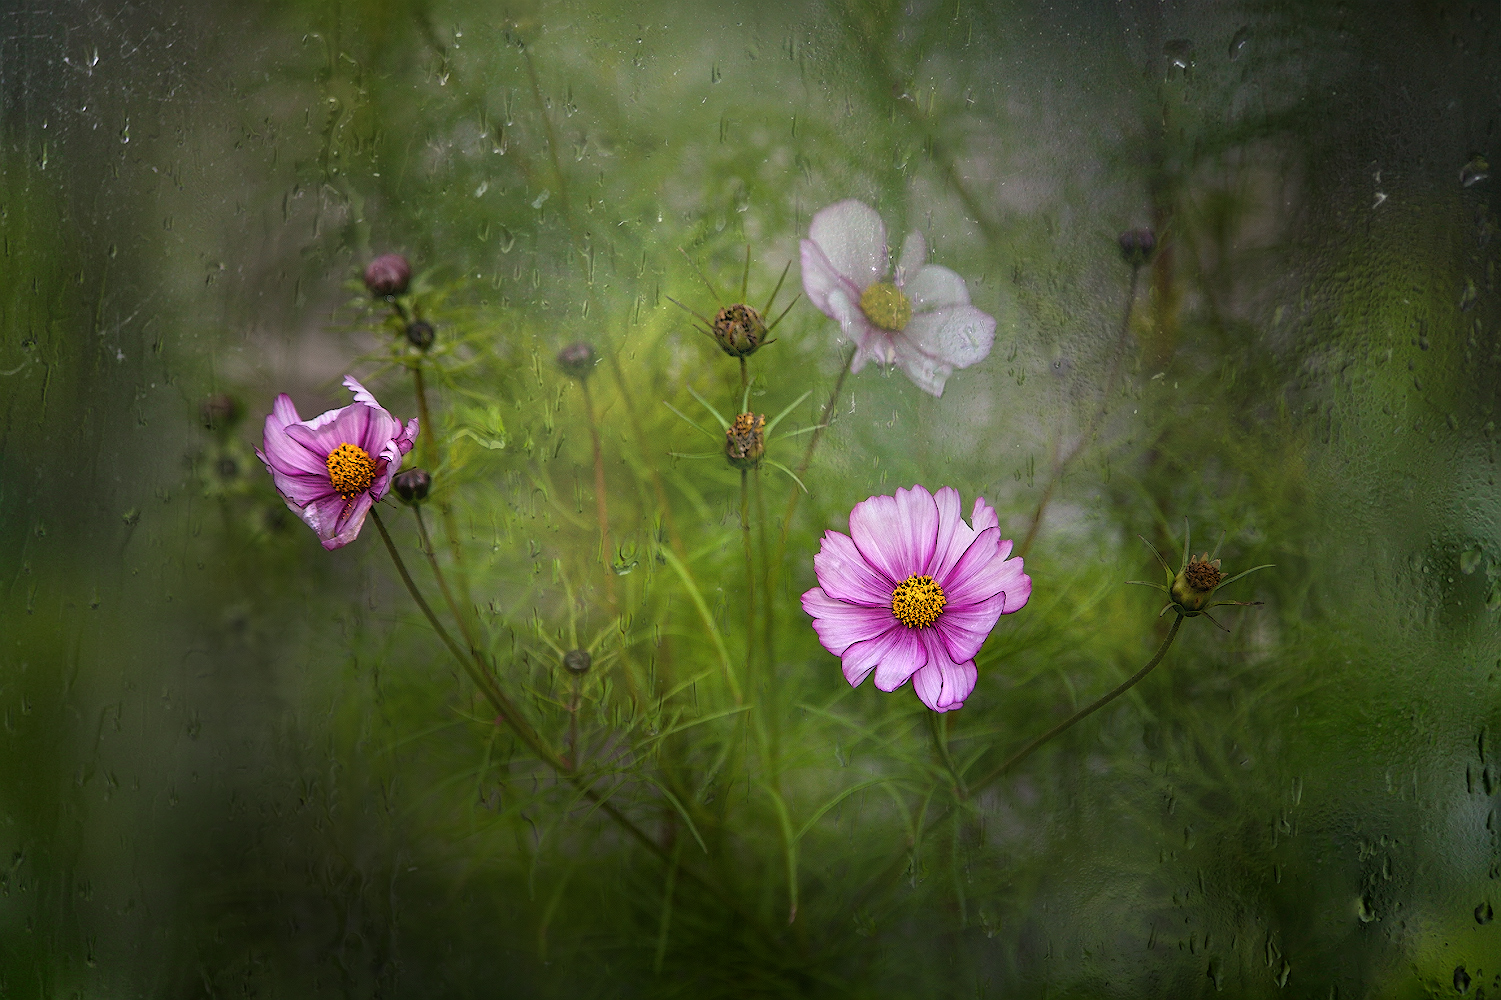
{"x":234,"y":764}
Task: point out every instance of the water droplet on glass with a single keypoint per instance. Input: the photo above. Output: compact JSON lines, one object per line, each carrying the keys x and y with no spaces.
{"x":1469,"y":561}
{"x":1461,"y":979}
{"x":1474,"y":172}
{"x":1238,"y":43}
{"x":1484,"y":914}
{"x":1180,"y":54}
{"x":1471,"y":293}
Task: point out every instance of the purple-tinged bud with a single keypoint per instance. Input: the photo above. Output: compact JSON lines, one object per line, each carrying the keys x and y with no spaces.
{"x":388,"y":275}
{"x":412,"y":485}
{"x":220,"y":411}
{"x":421,"y":334}
{"x":1138,"y":245}
{"x":577,"y":359}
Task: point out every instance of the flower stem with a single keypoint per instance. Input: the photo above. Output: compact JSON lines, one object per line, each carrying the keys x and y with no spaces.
{"x":938,"y":723}
{"x":453,"y":606}
{"x":428,"y":439}
{"x":1061,"y":466}
{"x":523,"y":730}
{"x":752,"y":681}
{"x":601,"y":510}
{"x":1082,"y":713}
{"x":823,"y":421}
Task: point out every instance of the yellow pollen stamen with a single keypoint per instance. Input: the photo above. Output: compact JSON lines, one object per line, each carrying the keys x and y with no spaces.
{"x":884,"y":305}
{"x":917,"y":601}
{"x":351,"y":470}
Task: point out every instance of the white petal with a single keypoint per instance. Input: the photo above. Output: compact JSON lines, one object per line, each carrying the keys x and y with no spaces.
{"x":821,"y":282}
{"x":935,"y":287}
{"x":957,"y":336}
{"x":914,"y":255}
{"x":927,"y":373}
{"x":853,"y":238}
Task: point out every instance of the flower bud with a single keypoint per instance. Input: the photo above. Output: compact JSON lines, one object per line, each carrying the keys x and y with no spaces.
{"x":412,"y":485}
{"x":745,"y":440}
{"x":1195,"y":582}
{"x":577,"y":359}
{"x":421,"y":334}
{"x":388,"y":275}
{"x":1138,"y":245}
{"x":577,"y":661}
{"x":220,"y":411}
{"x":739,"y":330}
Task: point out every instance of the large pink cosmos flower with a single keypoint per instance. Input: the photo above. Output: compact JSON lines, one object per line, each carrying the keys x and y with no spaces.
{"x":332,"y":468}
{"x":919,"y":320}
{"x":912,"y":592}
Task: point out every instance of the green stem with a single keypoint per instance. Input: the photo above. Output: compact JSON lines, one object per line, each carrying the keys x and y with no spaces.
{"x":1082,"y":713}
{"x":453,"y":606}
{"x":1060,"y":467}
{"x":601,"y":510}
{"x":751,"y":680}
{"x":937,"y":721}
{"x":523,"y":730}
{"x":429,"y":451}
{"x":823,"y":421}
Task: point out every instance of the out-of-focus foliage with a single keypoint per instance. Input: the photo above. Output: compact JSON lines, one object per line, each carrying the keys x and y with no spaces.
{"x":234,"y":763}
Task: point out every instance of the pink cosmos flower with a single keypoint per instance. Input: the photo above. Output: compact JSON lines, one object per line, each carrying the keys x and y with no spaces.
{"x":913,"y":592}
{"x":332,"y":468}
{"x":919,"y":319}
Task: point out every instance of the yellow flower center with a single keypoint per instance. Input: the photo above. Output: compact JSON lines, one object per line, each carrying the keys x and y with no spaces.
{"x":917,"y":601}
{"x":884,"y":305}
{"x":350,"y":469}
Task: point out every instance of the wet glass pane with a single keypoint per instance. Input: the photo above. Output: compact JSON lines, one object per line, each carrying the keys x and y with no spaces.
{"x":679,"y":298}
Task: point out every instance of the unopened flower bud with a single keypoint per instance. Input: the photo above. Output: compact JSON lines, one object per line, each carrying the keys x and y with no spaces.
{"x":577,"y":359}
{"x":388,"y":275}
{"x":739,"y":330}
{"x":1138,"y":245}
{"x":577,"y":661}
{"x":421,"y":334}
{"x":220,"y":411}
{"x":412,"y":485}
{"x":745,"y":441}
{"x":1195,"y":582}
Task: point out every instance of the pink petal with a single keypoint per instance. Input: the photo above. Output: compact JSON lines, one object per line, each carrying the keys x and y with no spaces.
{"x":910,"y":264}
{"x":845,"y":575}
{"x":903,"y":654}
{"x":942,"y":684}
{"x":300,"y":490}
{"x":361,"y":394}
{"x":853,"y":238}
{"x":955,"y":335}
{"x":840,"y":625}
{"x":1018,"y":593}
{"x":954,"y":535}
{"x":325,"y":432}
{"x":285,"y":412}
{"x":337,"y":522}
{"x":983,"y":516}
{"x":408,"y":436}
{"x":964,"y":629}
{"x":895,"y":652}
{"x":896,"y":534}
{"x":284,"y":455}
{"x":983,"y":572}
{"x":935,"y":287}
